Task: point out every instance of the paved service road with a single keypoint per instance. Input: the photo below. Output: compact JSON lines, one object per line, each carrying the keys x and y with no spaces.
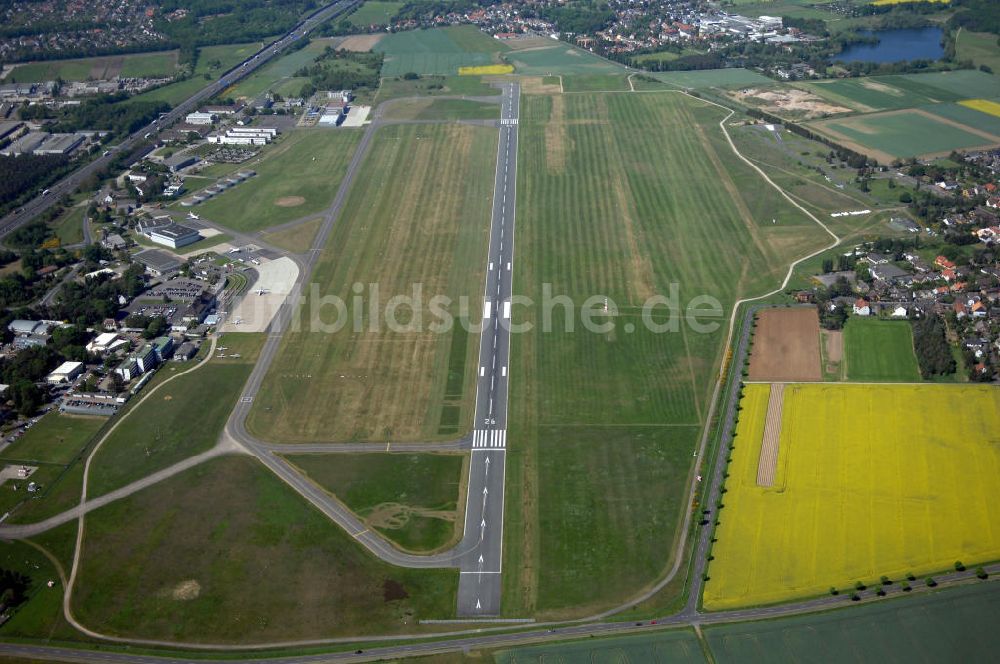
{"x":481,"y":549}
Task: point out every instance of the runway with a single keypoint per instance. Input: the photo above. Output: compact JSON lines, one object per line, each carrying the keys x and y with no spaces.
{"x":480,"y":555}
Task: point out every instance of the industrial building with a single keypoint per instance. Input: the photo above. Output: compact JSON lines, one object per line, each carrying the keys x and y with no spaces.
{"x":180,"y":161}
{"x":199,"y":118}
{"x":158,"y":263}
{"x":174,"y":236}
{"x":60,"y":144}
{"x":65,"y":372}
{"x":104,"y":343}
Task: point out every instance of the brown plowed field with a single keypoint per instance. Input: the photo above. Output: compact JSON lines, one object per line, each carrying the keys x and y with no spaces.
{"x":786,"y":346}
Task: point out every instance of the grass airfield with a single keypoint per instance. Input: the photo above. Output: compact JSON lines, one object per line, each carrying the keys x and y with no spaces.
{"x":418,"y":213}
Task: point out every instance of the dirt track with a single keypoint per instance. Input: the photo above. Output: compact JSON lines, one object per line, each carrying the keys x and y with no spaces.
{"x":786,"y":346}
{"x":768,"y":462}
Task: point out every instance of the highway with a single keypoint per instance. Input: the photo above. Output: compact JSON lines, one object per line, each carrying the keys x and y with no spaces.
{"x":480,"y":558}
{"x":68,"y":184}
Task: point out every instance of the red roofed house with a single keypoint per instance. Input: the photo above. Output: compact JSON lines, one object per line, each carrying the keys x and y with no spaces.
{"x":862,"y":308}
{"x":958,"y":287}
{"x":943,"y":262}
{"x":979,"y":310}
{"x":948,"y":274}
{"x":959,"y":308}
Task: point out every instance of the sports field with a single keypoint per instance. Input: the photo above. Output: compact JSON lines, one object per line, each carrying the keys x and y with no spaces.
{"x":871,"y":481}
{"x":440,"y":51}
{"x":296,"y":178}
{"x":227,"y":552}
{"x":417,"y":214}
{"x":414,"y":500}
{"x":156,"y":64}
{"x":606,"y":422}
{"x":880,"y":350}
{"x":904,"y":133}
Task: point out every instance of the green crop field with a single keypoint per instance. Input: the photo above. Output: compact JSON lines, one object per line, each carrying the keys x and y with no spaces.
{"x":439,"y":51}
{"x":212,"y":61}
{"x":902,"y":134}
{"x":980,"y":47}
{"x":603,"y":424}
{"x":595,"y":83}
{"x":712,"y":78}
{"x":417,"y":214}
{"x":906,"y":90}
{"x":412,"y":499}
{"x":951,"y":625}
{"x":969,"y":117}
{"x":374,"y":12}
{"x":877,"y":350}
{"x":147,"y":65}
{"x":55,"y":438}
{"x":297,"y":177}
{"x":161,"y":431}
{"x":227,"y":553}
{"x":560,"y":59}
{"x":677,"y":646}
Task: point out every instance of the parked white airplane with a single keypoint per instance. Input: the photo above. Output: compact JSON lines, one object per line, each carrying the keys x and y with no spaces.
{"x":192,"y":215}
{"x":262,"y":291}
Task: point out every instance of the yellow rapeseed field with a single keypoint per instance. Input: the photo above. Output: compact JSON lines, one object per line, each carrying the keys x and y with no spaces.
{"x":485,"y":70}
{"x":983,"y":105}
{"x":871,"y":480}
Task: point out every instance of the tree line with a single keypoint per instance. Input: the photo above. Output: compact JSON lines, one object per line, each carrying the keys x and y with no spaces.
{"x":932,"y":348}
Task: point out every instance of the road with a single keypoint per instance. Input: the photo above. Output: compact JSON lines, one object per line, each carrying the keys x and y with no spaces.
{"x":482,"y":543}
{"x":68,"y":184}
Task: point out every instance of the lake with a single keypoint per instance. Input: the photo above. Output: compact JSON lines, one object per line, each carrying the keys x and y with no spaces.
{"x":896,"y":46}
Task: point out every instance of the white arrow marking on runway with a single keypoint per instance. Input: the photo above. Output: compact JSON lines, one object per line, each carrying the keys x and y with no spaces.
{"x":478,"y":605}
{"x":482,"y":530}
{"x":480,"y":570}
